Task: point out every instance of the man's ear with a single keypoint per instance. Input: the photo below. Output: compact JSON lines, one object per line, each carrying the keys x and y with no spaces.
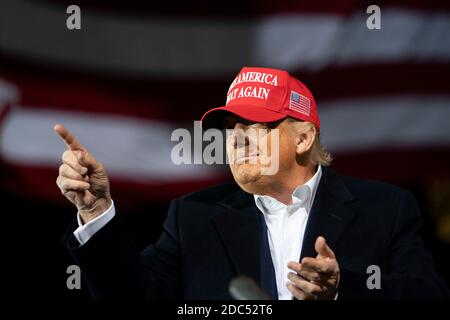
{"x":305,"y":137}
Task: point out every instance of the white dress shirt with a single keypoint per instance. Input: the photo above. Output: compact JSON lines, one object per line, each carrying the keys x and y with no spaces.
{"x":85,"y":231}
{"x":286,"y":228}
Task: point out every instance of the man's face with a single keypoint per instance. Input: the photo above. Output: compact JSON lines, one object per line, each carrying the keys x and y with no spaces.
{"x":259,"y":153}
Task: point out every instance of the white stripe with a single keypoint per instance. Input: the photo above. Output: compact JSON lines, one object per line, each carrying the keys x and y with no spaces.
{"x":313,"y":42}
{"x":140,"y":150}
{"x":293,"y":41}
{"x":128,"y":147}
{"x":177,"y":47}
{"x":363,"y":124}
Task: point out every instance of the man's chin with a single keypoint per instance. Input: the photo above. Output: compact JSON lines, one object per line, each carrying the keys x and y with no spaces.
{"x":246,"y":174}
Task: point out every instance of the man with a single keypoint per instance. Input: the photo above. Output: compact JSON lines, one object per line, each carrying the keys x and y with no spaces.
{"x":301,"y":231}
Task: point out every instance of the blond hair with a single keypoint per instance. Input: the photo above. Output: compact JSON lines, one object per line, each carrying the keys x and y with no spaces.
{"x":318,"y":153}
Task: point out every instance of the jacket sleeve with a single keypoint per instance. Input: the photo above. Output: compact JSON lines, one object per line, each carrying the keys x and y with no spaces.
{"x":407,"y":270}
{"x":112,"y":266}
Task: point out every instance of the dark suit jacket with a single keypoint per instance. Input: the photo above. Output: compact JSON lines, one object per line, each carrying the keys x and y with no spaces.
{"x":212,"y":235}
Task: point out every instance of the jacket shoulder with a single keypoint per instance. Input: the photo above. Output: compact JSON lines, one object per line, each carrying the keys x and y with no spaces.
{"x":374,"y":190}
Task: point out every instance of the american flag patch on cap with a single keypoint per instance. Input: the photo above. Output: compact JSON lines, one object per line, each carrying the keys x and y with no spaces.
{"x":299,"y":103}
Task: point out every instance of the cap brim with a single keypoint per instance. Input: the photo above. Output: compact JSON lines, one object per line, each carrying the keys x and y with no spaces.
{"x":214,"y":117}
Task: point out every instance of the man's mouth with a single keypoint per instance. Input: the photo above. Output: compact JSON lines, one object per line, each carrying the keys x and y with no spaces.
{"x":250,"y":158}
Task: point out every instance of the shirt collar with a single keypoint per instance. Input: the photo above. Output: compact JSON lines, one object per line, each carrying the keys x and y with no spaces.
{"x":302,"y":196}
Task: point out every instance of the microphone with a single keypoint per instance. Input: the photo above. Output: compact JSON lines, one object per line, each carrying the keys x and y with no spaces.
{"x":245,"y":288}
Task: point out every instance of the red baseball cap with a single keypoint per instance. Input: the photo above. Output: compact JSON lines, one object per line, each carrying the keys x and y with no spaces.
{"x":264,"y":95}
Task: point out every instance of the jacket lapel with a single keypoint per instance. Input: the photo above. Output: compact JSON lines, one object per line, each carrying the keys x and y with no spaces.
{"x":330,"y":213}
{"x":238,"y":228}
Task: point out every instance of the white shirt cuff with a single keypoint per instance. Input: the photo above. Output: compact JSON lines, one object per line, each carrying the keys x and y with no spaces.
{"x":84,"y":232}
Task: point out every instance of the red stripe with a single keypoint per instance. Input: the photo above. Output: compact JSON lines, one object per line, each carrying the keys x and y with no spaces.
{"x":345,"y":7}
{"x":4,"y":109}
{"x":62,"y":92}
{"x":180,"y":100}
{"x":377,"y":80}
{"x":242,"y":9}
{"x":406,"y":166}
{"x":40,"y":183}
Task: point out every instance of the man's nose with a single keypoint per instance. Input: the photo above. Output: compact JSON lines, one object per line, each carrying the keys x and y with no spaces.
{"x":240,"y":139}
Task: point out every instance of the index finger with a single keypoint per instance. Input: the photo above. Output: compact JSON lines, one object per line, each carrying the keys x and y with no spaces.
{"x":69,"y":139}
